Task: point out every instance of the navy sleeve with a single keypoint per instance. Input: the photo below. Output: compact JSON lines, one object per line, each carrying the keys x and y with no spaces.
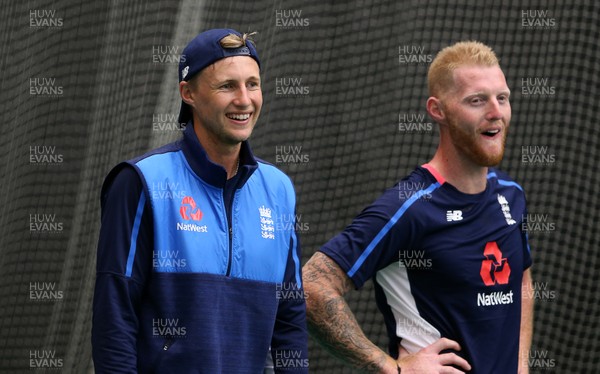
{"x":527,"y":260}
{"x":123,"y":264}
{"x":375,"y":237}
{"x":289,"y":345}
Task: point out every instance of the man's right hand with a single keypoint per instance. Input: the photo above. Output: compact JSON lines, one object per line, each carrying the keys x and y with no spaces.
{"x":429,"y":360}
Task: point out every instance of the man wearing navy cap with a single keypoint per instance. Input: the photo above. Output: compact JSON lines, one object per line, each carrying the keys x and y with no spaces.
{"x":194,"y":274}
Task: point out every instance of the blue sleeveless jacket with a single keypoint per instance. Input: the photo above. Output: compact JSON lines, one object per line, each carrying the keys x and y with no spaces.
{"x":213,"y":297}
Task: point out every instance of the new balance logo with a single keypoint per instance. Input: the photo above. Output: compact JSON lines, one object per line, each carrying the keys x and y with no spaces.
{"x":454,"y":215}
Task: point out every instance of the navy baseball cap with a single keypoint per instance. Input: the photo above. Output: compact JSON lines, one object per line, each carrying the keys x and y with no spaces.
{"x":203,"y":51}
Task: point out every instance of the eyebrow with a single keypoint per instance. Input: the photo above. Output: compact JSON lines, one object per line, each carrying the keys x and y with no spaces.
{"x":231,"y":80}
{"x":253,"y":77}
{"x":219,"y":82}
{"x":483,"y":93}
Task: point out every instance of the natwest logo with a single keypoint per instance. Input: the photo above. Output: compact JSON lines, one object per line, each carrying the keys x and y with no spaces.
{"x":495,"y":268}
{"x":189,"y":210}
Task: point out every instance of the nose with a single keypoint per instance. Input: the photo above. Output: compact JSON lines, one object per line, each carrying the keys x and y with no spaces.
{"x":242,"y":98}
{"x":494,"y":112}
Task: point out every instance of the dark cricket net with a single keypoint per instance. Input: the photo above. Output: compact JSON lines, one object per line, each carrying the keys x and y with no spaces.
{"x":86,"y":84}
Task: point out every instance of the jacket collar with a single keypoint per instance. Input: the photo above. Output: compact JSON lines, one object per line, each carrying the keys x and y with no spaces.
{"x":210,"y":172}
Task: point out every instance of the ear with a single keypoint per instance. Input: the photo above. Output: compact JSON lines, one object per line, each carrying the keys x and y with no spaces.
{"x":185,"y":90}
{"x":435,"y":109}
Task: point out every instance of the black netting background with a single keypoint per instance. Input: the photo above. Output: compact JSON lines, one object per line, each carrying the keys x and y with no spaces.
{"x":84,"y":84}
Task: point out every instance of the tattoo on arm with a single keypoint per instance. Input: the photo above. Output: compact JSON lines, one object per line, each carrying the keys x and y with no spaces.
{"x":330,"y":320}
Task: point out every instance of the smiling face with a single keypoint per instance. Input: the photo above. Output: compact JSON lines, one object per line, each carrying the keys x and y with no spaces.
{"x":226,"y":99}
{"x":477,"y":114}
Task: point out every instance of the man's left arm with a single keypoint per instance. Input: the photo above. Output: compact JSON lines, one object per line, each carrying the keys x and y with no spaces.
{"x":289,"y":345}
{"x":527,"y":299}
